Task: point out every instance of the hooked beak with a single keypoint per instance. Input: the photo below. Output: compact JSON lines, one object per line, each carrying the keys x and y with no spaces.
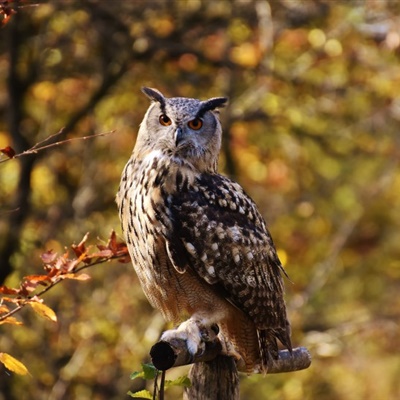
{"x":178,"y":136}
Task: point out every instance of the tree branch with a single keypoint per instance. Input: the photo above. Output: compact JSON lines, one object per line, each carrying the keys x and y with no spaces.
{"x":60,"y":268}
{"x":172,"y":351}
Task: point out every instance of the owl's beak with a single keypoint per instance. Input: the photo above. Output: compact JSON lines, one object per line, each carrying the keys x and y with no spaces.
{"x":178,"y":136}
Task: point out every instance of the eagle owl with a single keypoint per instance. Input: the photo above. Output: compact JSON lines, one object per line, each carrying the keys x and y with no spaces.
{"x":197,"y":241}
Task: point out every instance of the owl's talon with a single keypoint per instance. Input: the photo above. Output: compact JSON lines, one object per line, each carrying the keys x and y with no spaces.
{"x":195,"y":333}
{"x":215,"y":328}
{"x":191,"y":333}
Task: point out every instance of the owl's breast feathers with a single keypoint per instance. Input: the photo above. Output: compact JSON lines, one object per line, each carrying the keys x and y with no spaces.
{"x":202,"y":225}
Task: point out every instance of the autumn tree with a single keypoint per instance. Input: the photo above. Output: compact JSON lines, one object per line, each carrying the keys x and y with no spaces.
{"x":310,"y":132}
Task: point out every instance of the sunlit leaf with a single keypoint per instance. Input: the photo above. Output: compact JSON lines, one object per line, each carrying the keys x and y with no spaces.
{"x":36,"y":278}
{"x":13,"y":364}
{"x":11,"y":320}
{"x":137,"y":374}
{"x":182,"y":381}
{"x":4,"y":308}
{"x":142,"y":394}
{"x":77,"y":277}
{"x":43,"y":310}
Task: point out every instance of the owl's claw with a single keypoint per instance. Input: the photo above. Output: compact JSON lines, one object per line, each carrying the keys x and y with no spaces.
{"x":195,"y":333}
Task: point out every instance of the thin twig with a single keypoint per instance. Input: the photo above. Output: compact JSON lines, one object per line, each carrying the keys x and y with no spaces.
{"x":41,"y":146}
{"x":155,"y":388}
{"x":162,"y":385}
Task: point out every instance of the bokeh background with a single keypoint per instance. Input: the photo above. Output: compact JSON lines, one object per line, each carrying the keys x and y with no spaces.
{"x":311,"y":132}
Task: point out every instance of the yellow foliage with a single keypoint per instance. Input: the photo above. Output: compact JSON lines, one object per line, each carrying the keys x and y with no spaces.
{"x":43,"y":310}
{"x":11,"y":320}
{"x":13,"y":364}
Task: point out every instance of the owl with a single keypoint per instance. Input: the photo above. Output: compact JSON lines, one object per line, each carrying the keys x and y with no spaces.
{"x":199,"y":245}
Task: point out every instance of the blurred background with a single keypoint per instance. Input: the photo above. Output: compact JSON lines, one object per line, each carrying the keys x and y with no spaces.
{"x":311,"y":132}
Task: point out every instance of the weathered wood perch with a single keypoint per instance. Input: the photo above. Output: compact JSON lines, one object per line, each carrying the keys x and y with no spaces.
{"x":174,"y":353}
{"x":214,"y":375}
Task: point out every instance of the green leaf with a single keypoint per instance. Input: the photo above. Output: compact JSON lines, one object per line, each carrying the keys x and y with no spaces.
{"x":182,"y":381}
{"x":142,"y":394}
{"x":137,"y":374}
{"x":150,"y":371}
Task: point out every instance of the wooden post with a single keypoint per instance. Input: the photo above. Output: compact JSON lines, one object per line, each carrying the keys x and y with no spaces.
{"x":217,"y":379}
{"x":214,"y":376}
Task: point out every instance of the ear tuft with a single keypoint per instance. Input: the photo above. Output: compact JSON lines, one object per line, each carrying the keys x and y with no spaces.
{"x":211,"y":104}
{"x":154,"y":95}
{"x":217,"y":102}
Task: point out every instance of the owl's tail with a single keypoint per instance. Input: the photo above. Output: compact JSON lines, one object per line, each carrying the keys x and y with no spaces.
{"x":240,"y":330}
{"x":268,"y":343}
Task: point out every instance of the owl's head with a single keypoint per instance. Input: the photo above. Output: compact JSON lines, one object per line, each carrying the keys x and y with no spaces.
{"x":183,"y":128}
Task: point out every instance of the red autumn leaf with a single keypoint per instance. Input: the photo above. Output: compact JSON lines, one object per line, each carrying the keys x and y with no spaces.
{"x":36,"y":278}
{"x":7,"y":290}
{"x":125,"y":260}
{"x":80,"y":248}
{"x":119,"y":249}
{"x":8,"y":151}
{"x":123,"y":253}
{"x":74,"y":263}
{"x":6,"y":11}
{"x":28,"y":287}
{"x":112,"y":242}
{"x":71,"y":265}
{"x":103,"y":253}
{"x":16,"y":300}
{"x":7,"y":17}
{"x":48,"y":257}
{"x":77,"y":277}
{"x":51,"y":271}
{"x":61,"y":262}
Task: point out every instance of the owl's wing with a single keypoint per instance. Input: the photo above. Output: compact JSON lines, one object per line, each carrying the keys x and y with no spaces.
{"x":217,"y":231}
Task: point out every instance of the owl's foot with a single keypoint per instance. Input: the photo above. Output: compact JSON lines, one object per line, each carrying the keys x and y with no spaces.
{"x":195,"y":332}
{"x":228,"y":349}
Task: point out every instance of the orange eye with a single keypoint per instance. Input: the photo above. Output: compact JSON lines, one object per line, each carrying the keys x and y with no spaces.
{"x":195,"y":124}
{"x":165,"y":120}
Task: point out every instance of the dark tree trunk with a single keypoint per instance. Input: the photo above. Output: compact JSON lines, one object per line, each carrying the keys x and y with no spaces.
{"x":213,"y":380}
{"x":19,"y":207}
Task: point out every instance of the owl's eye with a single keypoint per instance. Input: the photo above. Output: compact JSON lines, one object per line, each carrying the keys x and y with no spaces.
{"x":165,"y":120}
{"x":195,"y":124}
